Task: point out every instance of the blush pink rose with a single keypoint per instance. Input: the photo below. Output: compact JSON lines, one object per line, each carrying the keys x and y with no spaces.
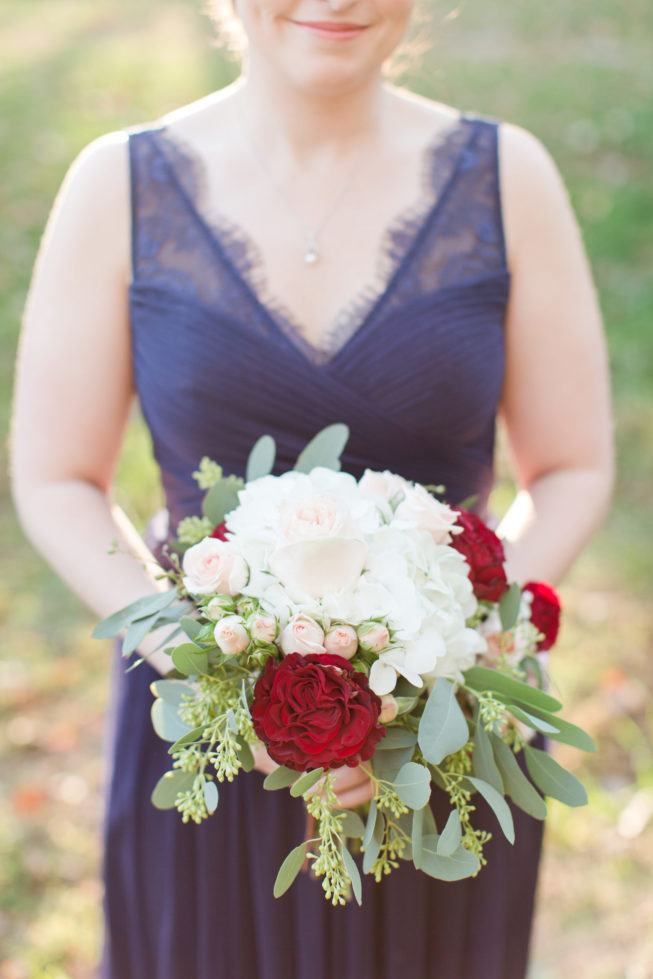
{"x":214,"y":566}
{"x":389,"y":709}
{"x":342,"y":641}
{"x":314,"y":517}
{"x":420,"y":508}
{"x":302,"y":635}
{"x":231,"y":635}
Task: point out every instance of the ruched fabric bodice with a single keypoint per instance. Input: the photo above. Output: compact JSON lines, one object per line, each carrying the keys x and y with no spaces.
{"x":415,"y":368}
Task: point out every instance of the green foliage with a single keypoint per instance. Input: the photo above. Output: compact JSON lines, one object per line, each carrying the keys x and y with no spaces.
{"x":509,"y":606}
{"x":289,"y":869}
{"x":516,"y":785}
{"x":324,"y":449}
{"x":413,"y":785}
{"x":553,"y":779}
{"x":209,"y":474}
{"x":480,"y":678}
{"x":442,"y":727}
{"x":260,"y":461}
{"x":191,"y":530}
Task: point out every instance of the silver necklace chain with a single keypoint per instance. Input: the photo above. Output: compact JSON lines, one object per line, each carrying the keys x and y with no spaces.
{"x":312,"y":251}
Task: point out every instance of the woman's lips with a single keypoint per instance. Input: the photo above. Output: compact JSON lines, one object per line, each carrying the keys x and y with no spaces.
{"x":332,"y":30}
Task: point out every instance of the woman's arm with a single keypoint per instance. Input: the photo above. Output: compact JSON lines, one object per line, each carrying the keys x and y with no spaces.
{"x":555,"y":401}
{"x":74,"y":389}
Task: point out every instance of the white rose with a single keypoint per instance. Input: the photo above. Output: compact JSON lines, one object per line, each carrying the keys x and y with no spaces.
{"x":342,"y":641}
{"x":302,"y":635}
{"x":231,"y":635}
{"x":214,"y":566}
{"x":315,"y":567}
{"x":419,"y":508}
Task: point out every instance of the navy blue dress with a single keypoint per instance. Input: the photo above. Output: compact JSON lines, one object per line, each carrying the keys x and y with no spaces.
{"x":416,"y":372}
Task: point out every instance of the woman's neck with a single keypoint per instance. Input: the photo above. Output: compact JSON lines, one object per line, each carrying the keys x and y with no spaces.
{"x":307,"y":128}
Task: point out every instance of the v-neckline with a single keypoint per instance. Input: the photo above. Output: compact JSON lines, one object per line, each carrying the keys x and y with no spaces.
{"x":412,"y":224}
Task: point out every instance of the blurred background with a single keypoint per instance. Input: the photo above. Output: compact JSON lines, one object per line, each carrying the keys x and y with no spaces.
{"x":580,"y":76}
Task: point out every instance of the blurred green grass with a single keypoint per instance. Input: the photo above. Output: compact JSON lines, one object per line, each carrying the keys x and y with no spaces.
{"x":580,"y":77}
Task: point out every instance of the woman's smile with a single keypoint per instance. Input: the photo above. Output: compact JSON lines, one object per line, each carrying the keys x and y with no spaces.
{"x":331,"y":30}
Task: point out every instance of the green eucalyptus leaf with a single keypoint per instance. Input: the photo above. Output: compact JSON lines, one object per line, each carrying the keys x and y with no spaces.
{"x":386,"y":764}
{"x":306,"y":782}
{"x":482,"y":679}
{"x":167,"y":722}
{"x":567,"y":733}
{"x":140,"y":609}
{"x":509,"y":606}
{"x":530,"y":720}
{"x":260,"y":461}
{"x":352,"y":825}
{"x":324,"y":449}
{"x":369,"y":826}
{"x":289,"y":869}
{"x":460,"y":864}
{"x":430,"y":828}
{"x":136,"y":632}
{"x":413,"y":785}
{"x":553,"y":779}
{"x":498,"y":805}
{"x":190,"y":659}
{"x":451,"y":836}
{"x":354,"y":874}
{"x":374,"y":845}
{"x":172,"y":691}
{"x":483,"y":764}
{"x":169,"y":786}
{"x":220,"y":500}
{"x":245,"y":755}
{"x":196,"y":734}
{"x":191,"y":626}
{"x":211,"y":796}
{"x":280,"y":778}
{"x":515,"y":782}
{"x":417,"y":834}
{"x":442,"y":727}
{"x":397,"y":737}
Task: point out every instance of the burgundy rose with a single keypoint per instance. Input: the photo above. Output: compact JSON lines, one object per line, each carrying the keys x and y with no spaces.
{"x":545,"y":612}
{"x":220,"y":532}
{"x":316,"y":711}
{"x":484,"y":554}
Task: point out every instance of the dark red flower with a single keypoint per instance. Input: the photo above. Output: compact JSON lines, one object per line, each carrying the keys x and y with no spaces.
{"x":316,"y":711}
{"x":545,"y":611}
{"x":484,"y":554}
{"x":220,"y":531}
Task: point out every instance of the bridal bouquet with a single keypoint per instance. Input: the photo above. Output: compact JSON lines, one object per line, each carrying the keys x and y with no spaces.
{"x":344,"y":622}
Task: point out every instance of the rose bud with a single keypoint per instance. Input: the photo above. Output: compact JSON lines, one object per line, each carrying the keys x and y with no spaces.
{"x":263,"y":628}
{"x":219,"y":606}
{"x":341,"y":640}
{"x":373,"y":637}
{"x":231,"y":635}
{"x":302,"y":635}
{"x":389,"y":708}
{"x":219,"y":532}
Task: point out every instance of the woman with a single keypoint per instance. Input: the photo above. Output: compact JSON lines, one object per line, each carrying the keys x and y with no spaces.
{"x":308,"y":245}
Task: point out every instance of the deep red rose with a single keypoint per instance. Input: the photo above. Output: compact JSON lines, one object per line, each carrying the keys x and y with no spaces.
{"x":484,"y":554}
{"x":220,"y":532}
{"x":545,"y":612}
{"x":316,"y":711}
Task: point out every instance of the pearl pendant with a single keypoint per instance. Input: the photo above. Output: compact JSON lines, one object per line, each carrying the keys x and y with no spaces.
{"x":311,"y":252}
